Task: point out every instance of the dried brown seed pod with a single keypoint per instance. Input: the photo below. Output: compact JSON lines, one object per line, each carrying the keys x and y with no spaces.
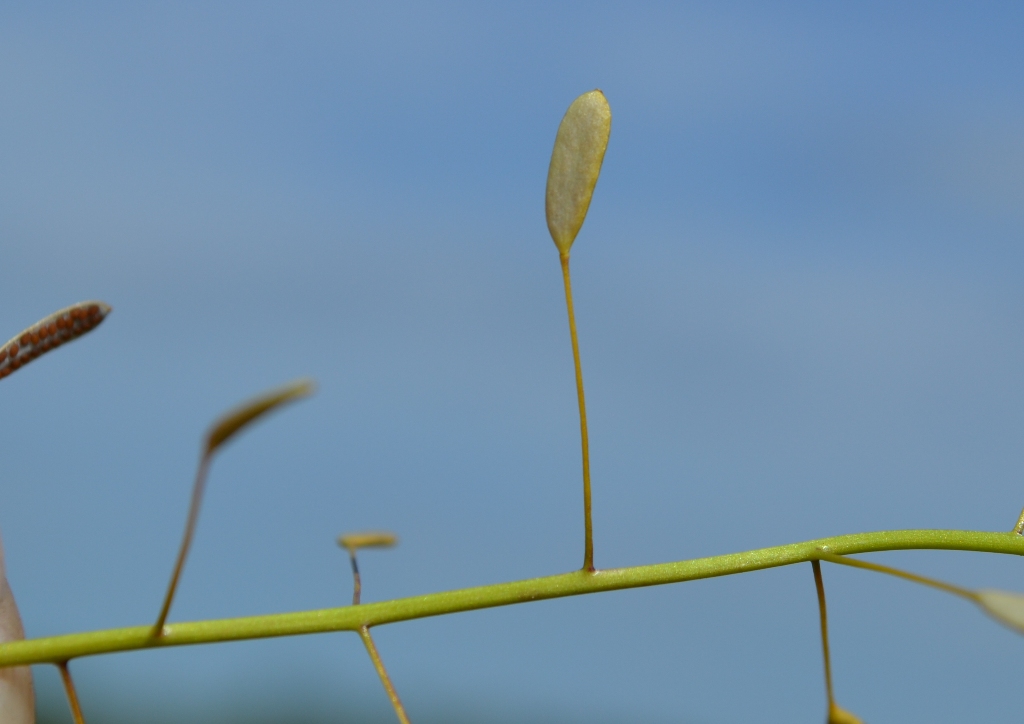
{"x":51,"y":332}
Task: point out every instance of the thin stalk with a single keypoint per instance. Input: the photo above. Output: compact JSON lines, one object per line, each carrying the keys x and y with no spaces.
{"x":186,"y":542}
{"x":923,"y":580}
{"x":357,"y":584}
{"x":55,"y":649}
{"x":823,"y":615}
{"x":371,"y":648}
{"x":588,"y":528}
{"x":69,"y":689}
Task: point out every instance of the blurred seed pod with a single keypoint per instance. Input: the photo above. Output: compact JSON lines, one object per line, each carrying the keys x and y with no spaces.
{"x":1005,"y":607}
{"x":233,"y":421}
{"x":838,"y":715}
{"x":51,"y":332}
{"x":17,"y":698}
{"x":367,"y":539}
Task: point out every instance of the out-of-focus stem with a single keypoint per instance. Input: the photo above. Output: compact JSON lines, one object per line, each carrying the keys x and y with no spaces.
{"x":357,"y":584}
{"x":371,"y":648}
{"x":923,"y":580}
{"x":823,"y":616}
{"x":69,"y":689}
{"x":186,"y":542}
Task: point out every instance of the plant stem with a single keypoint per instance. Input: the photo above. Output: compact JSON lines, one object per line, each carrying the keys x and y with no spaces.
{"x":823,"y":615}
{"x":357,"y":584}
{"x":186,"y":541}
{"x":588,"y":528}
{"x":350,"y":618}
{"x":932,"y":582}
{"x":364,"y":634}
{"x":69,"y":689}
{"x":371,"y":648}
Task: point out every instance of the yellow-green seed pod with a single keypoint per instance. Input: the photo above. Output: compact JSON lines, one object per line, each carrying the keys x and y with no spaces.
{"x":233,"y":421}
{"x":575,"y":165}
{"x":1005,"y":607}
{"x":368,"y":539}
{"x":839,"y":715}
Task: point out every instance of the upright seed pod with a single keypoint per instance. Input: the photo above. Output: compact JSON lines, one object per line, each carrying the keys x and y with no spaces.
{"x":576,"y":160}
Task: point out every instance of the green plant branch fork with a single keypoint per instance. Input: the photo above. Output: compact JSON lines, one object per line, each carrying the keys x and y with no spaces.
{"x":576,"y":161}
{"x":55,"y":649}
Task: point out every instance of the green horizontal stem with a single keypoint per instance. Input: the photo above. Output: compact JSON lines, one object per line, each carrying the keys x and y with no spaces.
{"x":55,"y":649}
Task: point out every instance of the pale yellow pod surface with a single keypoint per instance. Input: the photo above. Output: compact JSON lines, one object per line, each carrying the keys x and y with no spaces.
{"x":226,"y":427}
{"x":838,"y":715}
{"x":575,"y":165}
{"x":368,"y":539}
{"x":1003,"y":606}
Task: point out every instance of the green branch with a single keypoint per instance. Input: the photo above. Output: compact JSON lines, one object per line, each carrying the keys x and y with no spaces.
{"x":55,"y":649}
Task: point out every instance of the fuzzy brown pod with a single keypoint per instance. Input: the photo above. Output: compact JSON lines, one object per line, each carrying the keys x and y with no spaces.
{"x":51,"y":332}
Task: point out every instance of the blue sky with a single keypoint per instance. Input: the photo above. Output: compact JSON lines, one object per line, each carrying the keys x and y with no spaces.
{"x":800,"y":312}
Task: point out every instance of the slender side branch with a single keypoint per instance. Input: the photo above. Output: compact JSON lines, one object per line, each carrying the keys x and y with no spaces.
{"x":69,"y":689}
{"x":588,"y":528}
{"x":198,"y":487}
{"x":905,"y":575}
{"x":371,"y":648}
{"x":357,"y":582}
{"x":1006,"y":607}
{"x":836,"y":714}
{"x":55,"y":649}
{"x":223,"y":430}
{"x":353,"y":542}
{"x":823,"y":615}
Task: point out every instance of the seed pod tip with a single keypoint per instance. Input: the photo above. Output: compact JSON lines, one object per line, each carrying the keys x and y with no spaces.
{"x":233,"y":421}
{"x":1004,"y":606}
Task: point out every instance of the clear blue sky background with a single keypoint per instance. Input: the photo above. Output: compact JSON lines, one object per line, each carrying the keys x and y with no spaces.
{"x":800,"y":304}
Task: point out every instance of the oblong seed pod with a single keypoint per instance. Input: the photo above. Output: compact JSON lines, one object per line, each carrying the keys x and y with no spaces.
{"x":575,"y":165}
{"x":226,"y":427}
{"x":1005,"y":607}
{"x":51,"y":332}
{"x":368,"y":539}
